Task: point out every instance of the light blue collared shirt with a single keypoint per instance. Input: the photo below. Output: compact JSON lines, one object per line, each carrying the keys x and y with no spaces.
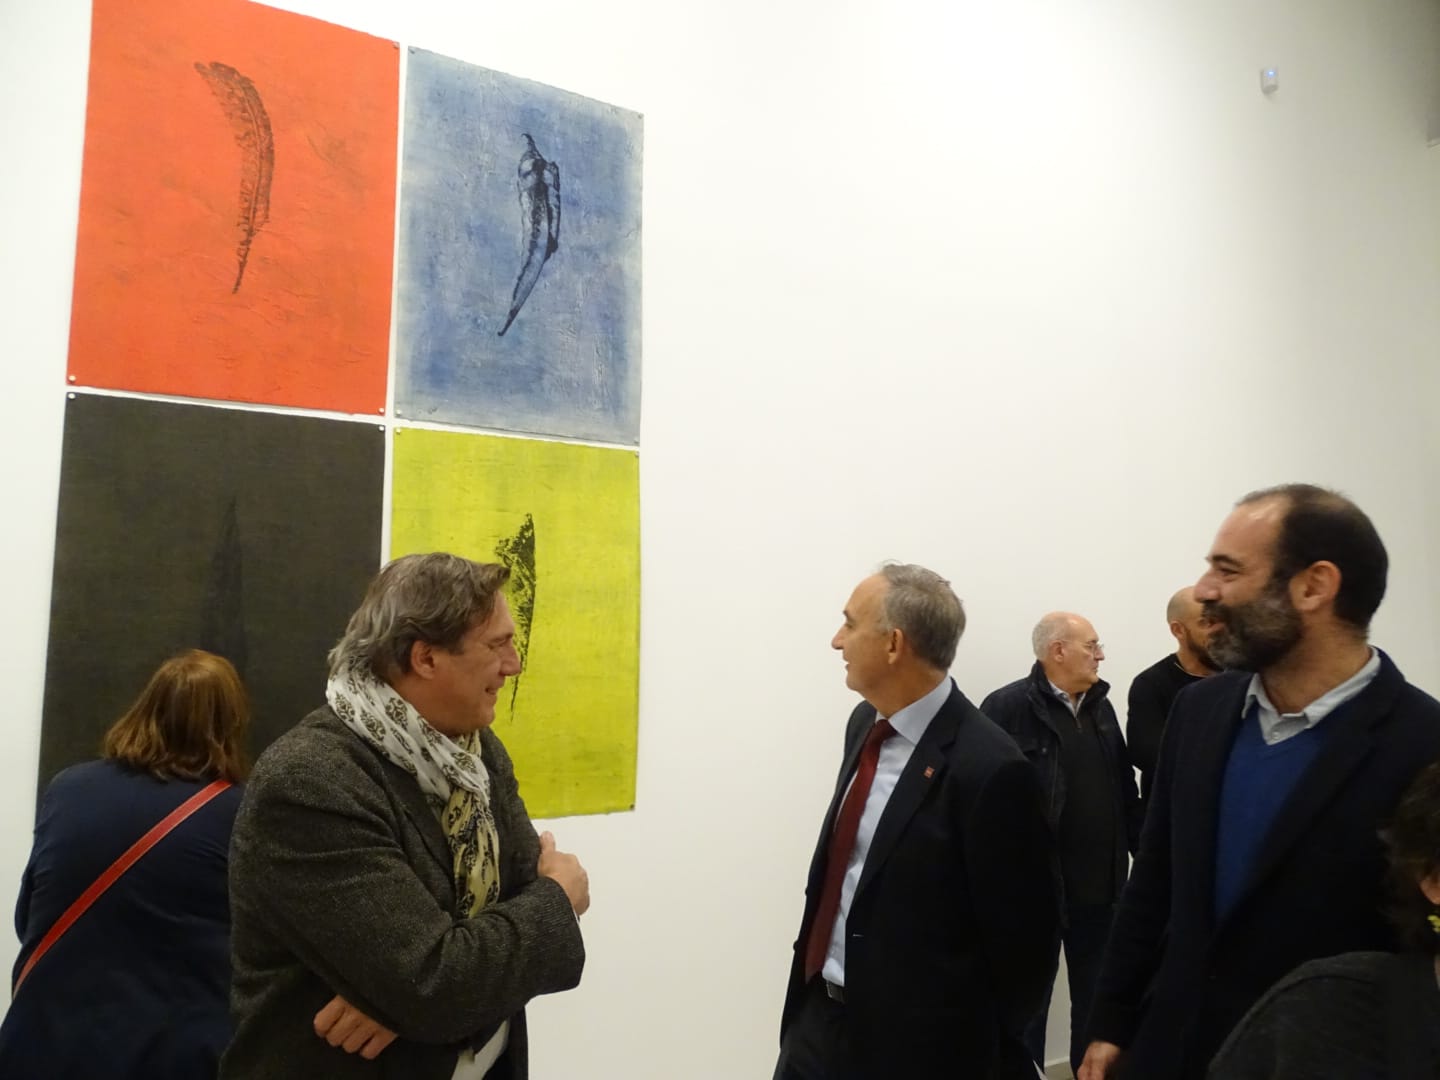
{"x":909,"y":724}
{"x":1276,"y":727}
{"x":1073,"y":704}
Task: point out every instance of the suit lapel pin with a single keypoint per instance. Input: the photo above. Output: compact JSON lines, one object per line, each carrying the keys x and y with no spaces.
{"x":929,"y":771}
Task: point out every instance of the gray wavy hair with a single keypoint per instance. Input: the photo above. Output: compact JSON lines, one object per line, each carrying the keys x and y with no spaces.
{"x":433,"y":598}
{"x":922,"y":605}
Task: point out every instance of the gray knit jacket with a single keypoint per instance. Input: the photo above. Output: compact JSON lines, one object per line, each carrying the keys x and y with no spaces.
{"x":340,"y":883}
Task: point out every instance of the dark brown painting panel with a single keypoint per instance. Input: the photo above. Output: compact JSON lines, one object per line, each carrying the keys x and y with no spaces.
{"x":250,"y":534}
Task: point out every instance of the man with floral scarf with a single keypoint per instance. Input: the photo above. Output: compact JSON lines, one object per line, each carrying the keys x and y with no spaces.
{"x":393,"y":910}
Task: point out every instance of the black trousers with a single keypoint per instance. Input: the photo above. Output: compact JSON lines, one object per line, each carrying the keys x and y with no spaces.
{"x":816,"y":1045}
{"x":1086,"y":930}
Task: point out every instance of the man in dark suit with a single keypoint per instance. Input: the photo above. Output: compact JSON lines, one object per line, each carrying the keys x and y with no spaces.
{"x":1153,"y":691}
{"x":1260,"y":850}
{"x":930,"y":913}
{"x":393,"y":910}
{"x":1061,"y":718}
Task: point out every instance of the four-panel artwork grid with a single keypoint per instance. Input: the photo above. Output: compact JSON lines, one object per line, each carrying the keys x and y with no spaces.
{"x":247,"y":173}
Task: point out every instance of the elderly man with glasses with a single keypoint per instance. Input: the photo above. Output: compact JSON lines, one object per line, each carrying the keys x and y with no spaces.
{"x":1062,"y":720}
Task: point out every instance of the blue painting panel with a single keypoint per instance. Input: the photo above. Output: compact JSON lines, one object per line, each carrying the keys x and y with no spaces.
{"x":519,"y":259}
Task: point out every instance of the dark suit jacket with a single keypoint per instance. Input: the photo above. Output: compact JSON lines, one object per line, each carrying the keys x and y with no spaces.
{"x":949,"y":939}
{"x":1316,"y":889}
{"x":137,"y":987}
{"x":340,"y":883}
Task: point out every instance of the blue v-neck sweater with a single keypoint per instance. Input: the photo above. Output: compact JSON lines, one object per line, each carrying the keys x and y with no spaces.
{"x":1258,"y":780}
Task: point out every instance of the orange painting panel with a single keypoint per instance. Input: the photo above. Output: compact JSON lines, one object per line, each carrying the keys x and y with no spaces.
{"x":237,"y":206}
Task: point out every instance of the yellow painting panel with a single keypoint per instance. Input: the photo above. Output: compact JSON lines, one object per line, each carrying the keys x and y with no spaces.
{"x":572,"y":723}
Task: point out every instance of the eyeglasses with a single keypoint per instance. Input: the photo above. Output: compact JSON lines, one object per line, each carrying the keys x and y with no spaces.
{"x":1094,"y":648}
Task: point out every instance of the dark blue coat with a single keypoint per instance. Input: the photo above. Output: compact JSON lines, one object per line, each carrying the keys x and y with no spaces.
{"x":1176,"y":978}
{"x":1029,"y":713}
{"x":139,"y":985}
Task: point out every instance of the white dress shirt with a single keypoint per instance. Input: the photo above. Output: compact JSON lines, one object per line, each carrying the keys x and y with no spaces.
{"x":909,"y":724}
{"x":473,"y":1065}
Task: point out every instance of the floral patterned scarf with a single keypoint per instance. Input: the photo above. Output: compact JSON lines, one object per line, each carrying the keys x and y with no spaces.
{"x":450,"y":773}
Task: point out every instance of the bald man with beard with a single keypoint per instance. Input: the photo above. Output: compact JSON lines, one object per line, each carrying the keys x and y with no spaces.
{"x":1153,"y":691}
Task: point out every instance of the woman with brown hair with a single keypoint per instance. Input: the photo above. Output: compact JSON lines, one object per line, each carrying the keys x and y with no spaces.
{"x":1362,"y":1015}
{"x":132,"y":979}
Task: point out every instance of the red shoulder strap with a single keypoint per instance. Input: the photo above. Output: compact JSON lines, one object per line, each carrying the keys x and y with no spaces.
{"x":115,"y":870}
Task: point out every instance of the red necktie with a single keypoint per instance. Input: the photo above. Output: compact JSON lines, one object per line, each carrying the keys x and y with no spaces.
{"x":842,"y":843}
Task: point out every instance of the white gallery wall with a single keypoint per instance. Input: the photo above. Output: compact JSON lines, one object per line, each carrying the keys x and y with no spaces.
{"x":1028,"y":292}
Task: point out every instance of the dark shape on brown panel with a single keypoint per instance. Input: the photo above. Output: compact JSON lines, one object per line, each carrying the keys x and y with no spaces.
{"x":222,"y":617}
{"x":251,"y":125}
{"x":518,"y":553}
{"x":180,"y":524}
